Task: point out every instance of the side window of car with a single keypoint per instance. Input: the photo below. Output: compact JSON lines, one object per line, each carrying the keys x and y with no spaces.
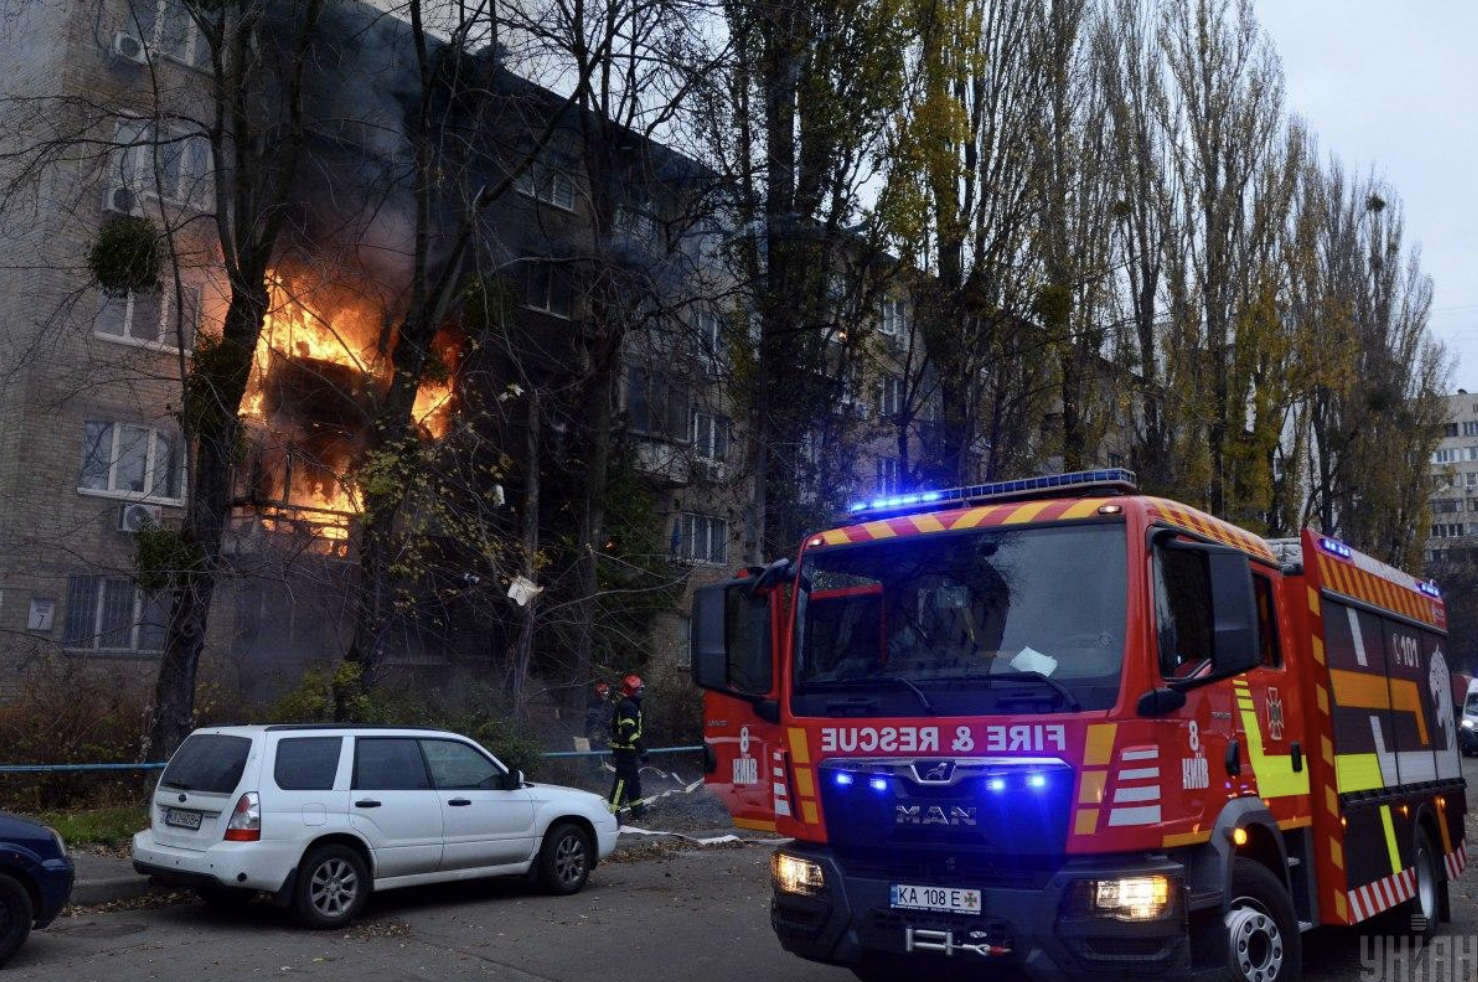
{"x":456,"y":766}
{"x":307,"y":763}
{"x":389,"y":764}
{"x":1182,"y":612}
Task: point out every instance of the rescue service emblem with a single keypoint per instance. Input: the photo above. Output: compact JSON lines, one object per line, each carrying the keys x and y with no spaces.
{"x":1275,"y":714}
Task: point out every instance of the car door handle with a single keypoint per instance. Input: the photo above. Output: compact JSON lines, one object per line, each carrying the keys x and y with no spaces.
{"x":459,"y":802}
{"x":366,"y":803}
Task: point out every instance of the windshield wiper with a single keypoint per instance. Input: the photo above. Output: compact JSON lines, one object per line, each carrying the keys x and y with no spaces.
{"x":1070,"y":700}
{"x":898,"y":680}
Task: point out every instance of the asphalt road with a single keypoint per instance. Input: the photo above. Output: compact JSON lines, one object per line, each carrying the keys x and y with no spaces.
{"x":679,"y":916}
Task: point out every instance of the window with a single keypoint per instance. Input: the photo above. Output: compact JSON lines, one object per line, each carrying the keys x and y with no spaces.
{"x":547,"y":286}
{"x":1444,"y":505}
{"x":1267,"y":622}
{"x":1450,"y":456}
{"x":710,"y":436}
{"x":307,"y":763}
{"x":888,"y":474}
{"x":389,"y":764}
{"x":1116,"y":460}
{"x":132,"y":461}
{"x":1448,"y":530}
{"x":894,"y":321}
{"x":208,"y":762}
{"x":1470,"y":428}
{"x":657,"y":404}
{"x":168,"y":28}
{"x":1182,"y":611}
{"x":891,"y":403}
{"x":1451,"y":430}
{"x":456,"y":766}
{"x":549,"y":180}
{"x":702,"y":539}
{"x":172,"y":164}
{"x":1470,"y":479}
{"x":635,"y":223}
{"x":709,"y":329}
{"x":148,"y":318}
{"x":110,"y":613}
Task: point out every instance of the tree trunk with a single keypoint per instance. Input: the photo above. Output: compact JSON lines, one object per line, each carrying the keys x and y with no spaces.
{"x":523,"y":648}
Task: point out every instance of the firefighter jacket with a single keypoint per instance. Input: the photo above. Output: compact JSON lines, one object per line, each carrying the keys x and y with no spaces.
{"x":626,"y":726}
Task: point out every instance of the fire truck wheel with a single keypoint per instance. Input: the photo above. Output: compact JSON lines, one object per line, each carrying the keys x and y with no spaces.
{"x":1426,"y":907}
{"x":1263,"y":943}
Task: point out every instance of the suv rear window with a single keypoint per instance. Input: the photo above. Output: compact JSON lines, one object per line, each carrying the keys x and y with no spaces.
{"x":307,"y":763}
{"x":208,"y":762}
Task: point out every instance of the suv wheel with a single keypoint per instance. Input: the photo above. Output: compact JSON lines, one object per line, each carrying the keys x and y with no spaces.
{"x":332,"y":887}
{"x":564,"y":859}
{"x":16,"y":915}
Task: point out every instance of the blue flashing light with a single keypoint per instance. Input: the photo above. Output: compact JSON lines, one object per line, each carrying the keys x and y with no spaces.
{"x":996,"y":784}
{"x":843,"y":779}
{"x":1116,"y":478}
{"x":1037,"y":781}
{"x":1336,"y":548}
{"x":1429,"y":588}
{"x":878,"y":784}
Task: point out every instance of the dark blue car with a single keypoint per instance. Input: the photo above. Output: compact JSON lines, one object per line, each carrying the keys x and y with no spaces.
{"x":35,"y":880}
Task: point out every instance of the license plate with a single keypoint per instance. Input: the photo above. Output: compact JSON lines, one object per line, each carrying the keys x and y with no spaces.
{"x":944,"y":900}
{"x":181,"y":819}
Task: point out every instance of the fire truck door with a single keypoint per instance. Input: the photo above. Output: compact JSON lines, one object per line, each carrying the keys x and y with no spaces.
{"x":742,"y":735}
{"x":1270,"y":710}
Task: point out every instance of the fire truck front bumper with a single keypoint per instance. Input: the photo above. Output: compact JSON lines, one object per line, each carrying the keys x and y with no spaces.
{"x":1050,"y":933}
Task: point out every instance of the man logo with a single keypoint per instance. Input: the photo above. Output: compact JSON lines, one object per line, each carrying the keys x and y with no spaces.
{"x":934,"y":771}
{"x":933,"y":815}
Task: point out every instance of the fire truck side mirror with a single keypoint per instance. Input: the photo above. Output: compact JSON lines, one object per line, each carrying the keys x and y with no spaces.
{"x":1232,"y":607}
{"x":731,"y":642}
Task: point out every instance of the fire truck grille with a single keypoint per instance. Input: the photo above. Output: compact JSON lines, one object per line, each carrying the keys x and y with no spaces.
{"x":953,"y":868}
{"x":1123,"y":951}
{"x":886,"y":930}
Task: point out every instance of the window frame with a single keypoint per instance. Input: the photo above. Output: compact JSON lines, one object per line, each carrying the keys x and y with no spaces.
{"x":138,"y":158}
{"x":150,"y":465}
{"x":690,"y":522}
{"x":893,"y":396}
{"x":887,"y":474}
{"x":1263,"y":589}
{"x":167,"y":300}
{"x":554,"y":267}
{"x":277,"y":761}
{"x":498,"y":769}
{"x":1190,"y":668}
{"x":195,"y":38}
{"x":704,"y":435}
{"x":415,"y":742}
{"x":543,"y":182}
{"x":93,"y":642}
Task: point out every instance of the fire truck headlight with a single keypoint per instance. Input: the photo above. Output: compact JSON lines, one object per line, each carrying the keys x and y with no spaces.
{"x":792,"y":874}
{"x":1140,"y":898}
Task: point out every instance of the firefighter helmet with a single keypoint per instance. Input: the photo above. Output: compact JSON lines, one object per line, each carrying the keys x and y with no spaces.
{"x":632,"y":685}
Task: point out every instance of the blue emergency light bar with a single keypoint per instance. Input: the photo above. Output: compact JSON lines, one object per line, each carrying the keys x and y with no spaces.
{"x":1117,"y":479}
{"x":1336,"y":548}
{"x":1429,"y":587}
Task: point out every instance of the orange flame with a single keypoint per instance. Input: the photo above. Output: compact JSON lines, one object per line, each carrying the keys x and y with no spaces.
{"x":297,"y":329}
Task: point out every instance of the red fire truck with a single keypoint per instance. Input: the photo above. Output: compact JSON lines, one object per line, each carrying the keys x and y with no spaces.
{"x":1060,"y":726}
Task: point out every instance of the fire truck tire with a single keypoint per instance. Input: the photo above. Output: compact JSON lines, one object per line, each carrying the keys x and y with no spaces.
{"x":1427,"y":904}
{"x":1263,"y":943}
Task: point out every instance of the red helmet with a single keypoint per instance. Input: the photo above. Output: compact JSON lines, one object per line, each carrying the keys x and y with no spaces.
{"x":632,"y":684}
{"x":602,"y":689}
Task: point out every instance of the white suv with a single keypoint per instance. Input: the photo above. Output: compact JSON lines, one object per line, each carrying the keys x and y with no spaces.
{"x":321,"y":815}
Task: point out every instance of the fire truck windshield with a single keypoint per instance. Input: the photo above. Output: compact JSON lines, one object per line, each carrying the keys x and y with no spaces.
{"x":998,"y":620}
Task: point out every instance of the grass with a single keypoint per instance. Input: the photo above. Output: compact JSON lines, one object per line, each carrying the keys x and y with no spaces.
{"x":108,"y":825}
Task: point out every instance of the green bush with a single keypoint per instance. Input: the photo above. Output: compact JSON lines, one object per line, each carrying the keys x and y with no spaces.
{"x":125,"y":259}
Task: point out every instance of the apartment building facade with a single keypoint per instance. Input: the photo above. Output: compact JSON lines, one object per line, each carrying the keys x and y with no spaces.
{"x":1454,"y":479}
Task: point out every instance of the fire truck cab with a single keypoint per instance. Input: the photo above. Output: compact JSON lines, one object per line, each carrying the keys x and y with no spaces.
{"x":1063,"y":727}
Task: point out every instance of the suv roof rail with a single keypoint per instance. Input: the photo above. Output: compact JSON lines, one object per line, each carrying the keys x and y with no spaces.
{"x":279,"y":727}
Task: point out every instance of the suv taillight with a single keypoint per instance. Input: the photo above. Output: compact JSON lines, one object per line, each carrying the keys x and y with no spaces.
{"x":246,"y":820}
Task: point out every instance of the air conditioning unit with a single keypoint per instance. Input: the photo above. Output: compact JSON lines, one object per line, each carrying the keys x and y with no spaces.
{"x":121,"y":201}
{"x":708,"y":470}
{"x":127,"y":48}
{"x":133,"y":517}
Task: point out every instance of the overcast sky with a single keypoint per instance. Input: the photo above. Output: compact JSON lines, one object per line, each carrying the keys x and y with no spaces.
{"x":1393,"y":85}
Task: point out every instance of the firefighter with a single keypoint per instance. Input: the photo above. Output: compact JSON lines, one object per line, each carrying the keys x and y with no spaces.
{"x":598,"y":713}
{"x":627,"y":748}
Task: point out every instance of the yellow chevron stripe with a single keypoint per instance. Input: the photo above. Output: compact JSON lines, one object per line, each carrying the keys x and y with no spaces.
{"x":1025,"y":513}
{"x":1391,"y":847}
{"x":927,"y":523}
{"x":1083,"y":509}
{"x":972,"y":518}
{"x":879,"y":530}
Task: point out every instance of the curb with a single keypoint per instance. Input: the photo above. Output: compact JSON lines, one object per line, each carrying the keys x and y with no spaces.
{"x":110,"y":889}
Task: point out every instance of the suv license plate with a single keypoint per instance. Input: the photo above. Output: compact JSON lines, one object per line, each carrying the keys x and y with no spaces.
{"x":181,"y":819}
{"x":944,"y":900}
